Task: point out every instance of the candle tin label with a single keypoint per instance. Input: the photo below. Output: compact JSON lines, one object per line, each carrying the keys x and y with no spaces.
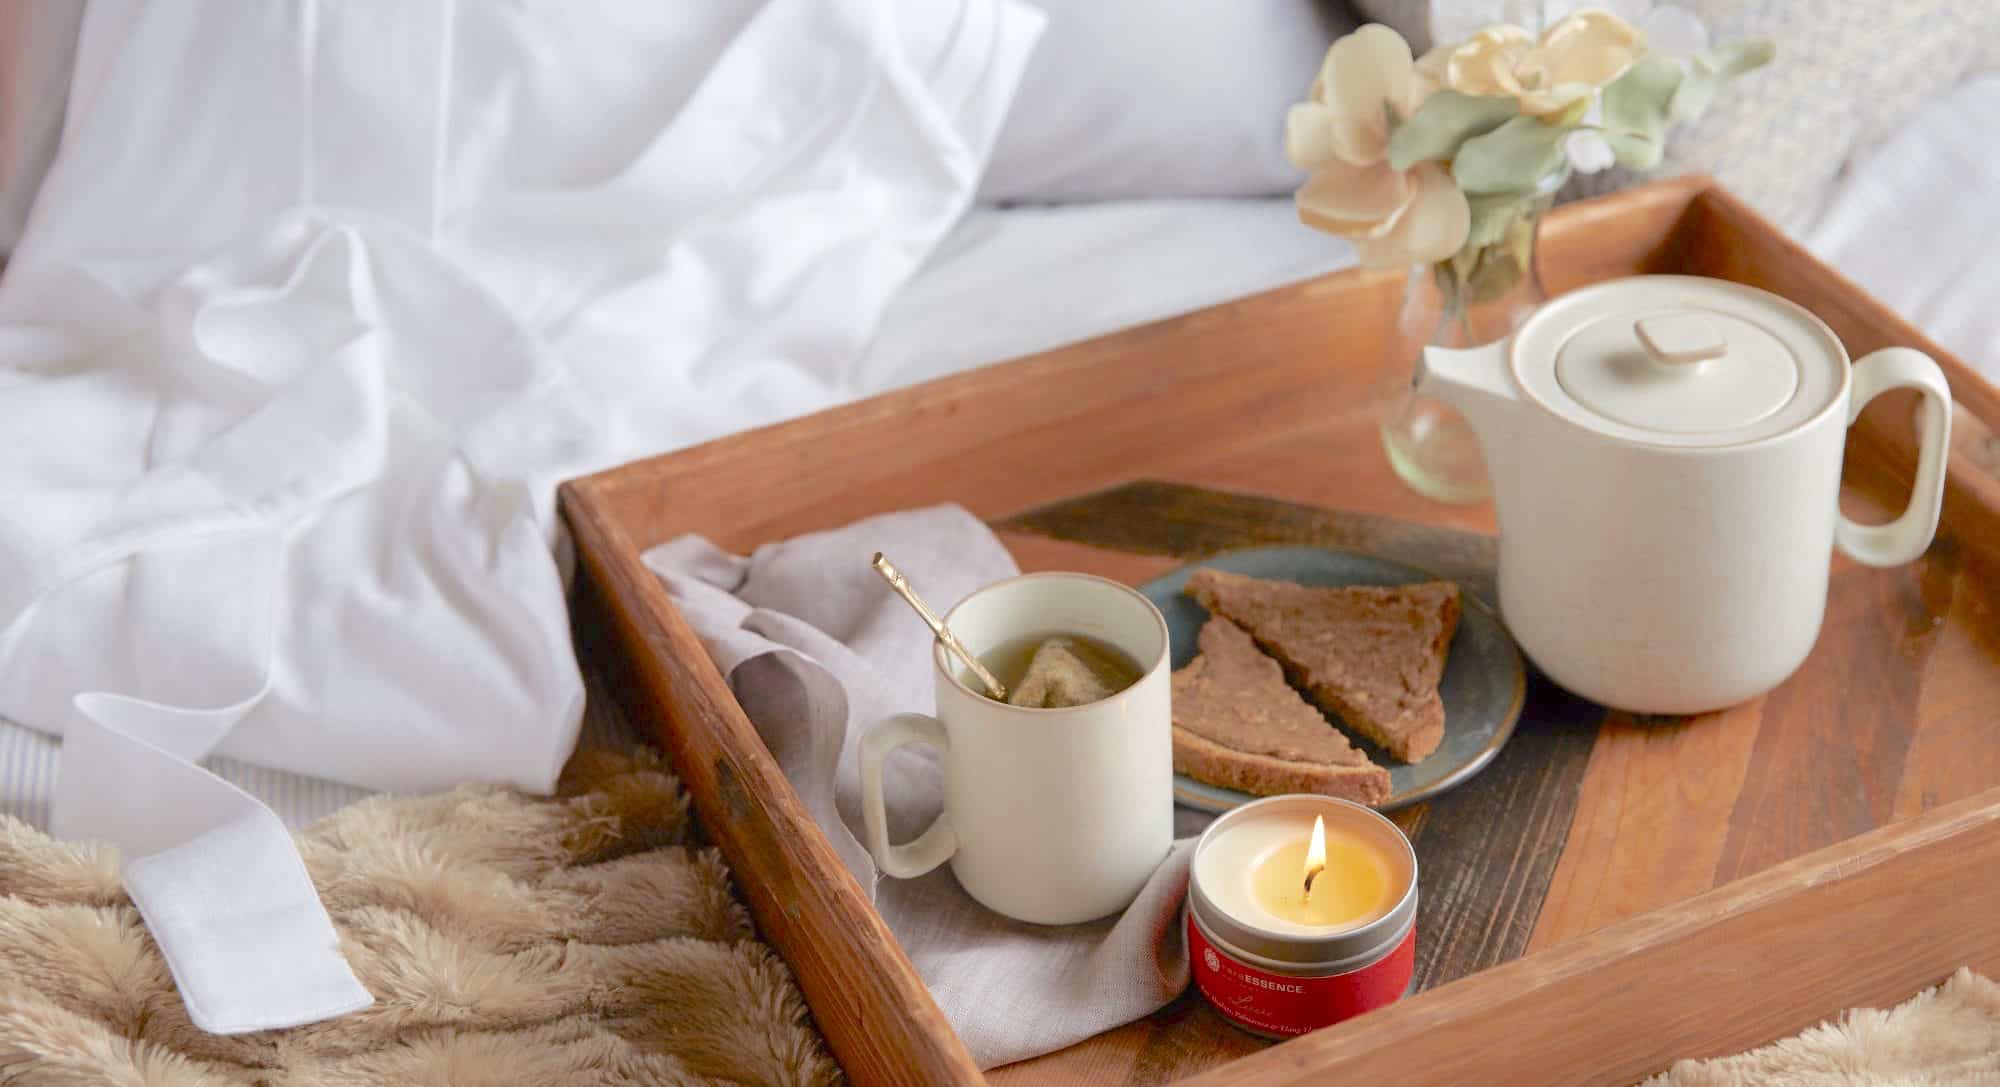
{"x":1284,"y":1005}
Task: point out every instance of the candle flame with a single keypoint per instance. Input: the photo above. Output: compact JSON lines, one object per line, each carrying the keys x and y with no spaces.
{"x":1316,"y":853}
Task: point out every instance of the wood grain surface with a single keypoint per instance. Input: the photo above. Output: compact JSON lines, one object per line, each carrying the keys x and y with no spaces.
{"x":1865,"y":923}
{"x":1159,"y":517}
{"x":1252,"y":422}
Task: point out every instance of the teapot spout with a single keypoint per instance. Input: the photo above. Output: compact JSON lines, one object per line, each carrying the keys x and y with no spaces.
{"x":1476,"y":382}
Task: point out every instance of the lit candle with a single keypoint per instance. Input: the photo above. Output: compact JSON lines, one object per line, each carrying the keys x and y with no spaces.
{"x":1255,"y":870}
{"x":1301,"y":912}
{"x":1331,"y":880}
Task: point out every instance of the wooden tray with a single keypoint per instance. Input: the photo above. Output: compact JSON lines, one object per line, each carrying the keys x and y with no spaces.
{"x":1611,"y":894}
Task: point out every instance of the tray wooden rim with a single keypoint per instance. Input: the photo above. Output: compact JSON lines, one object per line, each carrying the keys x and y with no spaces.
{"x":794,"y":881}
{"x":743,"y":789}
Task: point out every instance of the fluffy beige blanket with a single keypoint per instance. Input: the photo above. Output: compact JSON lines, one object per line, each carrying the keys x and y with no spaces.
{"x":583,"y":939}
{"x":1944,"y":1037}
{"x":587,"y":940}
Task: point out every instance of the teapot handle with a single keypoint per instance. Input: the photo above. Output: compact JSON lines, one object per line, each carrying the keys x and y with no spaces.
{"x":1906,"y":537}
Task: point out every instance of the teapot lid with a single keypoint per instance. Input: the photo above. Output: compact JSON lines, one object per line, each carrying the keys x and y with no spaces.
{"x":1680,"y":361}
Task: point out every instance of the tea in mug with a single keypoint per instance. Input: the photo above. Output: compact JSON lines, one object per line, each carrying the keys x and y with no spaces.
{"x":1055,"y":671}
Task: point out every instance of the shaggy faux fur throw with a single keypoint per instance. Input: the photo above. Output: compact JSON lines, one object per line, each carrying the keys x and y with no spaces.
{"x":582,"y":939}
{"x":1945,"y":1037}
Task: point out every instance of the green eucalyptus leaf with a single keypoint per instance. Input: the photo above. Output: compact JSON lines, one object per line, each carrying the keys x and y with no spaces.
{"x":1708,"y":72}
{"x":1637,"y":101}
{"x":1446,"y":120}
{"x":1691,"y":98}
{"x":1636,"y":108}
{"x":1511,"y":158}
{"x":1732,"y":59}
{"x":1636,"y":152}
{"x":1491,"y":216}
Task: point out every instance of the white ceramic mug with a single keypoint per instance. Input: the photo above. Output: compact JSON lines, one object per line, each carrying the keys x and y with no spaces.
{"x":1052,"y":816}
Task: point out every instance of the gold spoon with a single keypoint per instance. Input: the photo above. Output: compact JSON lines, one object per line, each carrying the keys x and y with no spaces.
{"x":901,"y":584}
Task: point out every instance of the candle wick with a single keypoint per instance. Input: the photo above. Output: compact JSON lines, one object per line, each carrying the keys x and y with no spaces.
{"x":1311,"y":874}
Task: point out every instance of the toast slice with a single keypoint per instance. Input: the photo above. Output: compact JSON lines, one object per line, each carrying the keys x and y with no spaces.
{"x":1370,"y":655}
{"x":1238,"y":724}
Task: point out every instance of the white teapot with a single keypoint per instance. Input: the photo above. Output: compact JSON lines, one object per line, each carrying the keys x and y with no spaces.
{"x":1665,"y":454}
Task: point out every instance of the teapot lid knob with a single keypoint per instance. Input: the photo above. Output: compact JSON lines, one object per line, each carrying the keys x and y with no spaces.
{"x":1680,"y":339}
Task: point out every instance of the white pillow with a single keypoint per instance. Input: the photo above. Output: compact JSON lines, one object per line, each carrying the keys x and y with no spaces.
{"x":1147,"y":98}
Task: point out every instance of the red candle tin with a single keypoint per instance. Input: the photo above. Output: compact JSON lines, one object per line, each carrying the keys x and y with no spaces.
{"x":1280,"y":980}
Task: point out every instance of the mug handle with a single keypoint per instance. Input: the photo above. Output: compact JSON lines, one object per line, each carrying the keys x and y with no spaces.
{"x":938,"y":841}
{"x":1906,"y":537}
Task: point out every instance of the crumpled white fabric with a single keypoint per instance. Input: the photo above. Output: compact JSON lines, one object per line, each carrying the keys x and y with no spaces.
{"x":318,"y":303}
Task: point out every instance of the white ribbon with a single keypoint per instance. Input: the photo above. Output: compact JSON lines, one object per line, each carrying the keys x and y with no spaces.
{"x":212,"y":869}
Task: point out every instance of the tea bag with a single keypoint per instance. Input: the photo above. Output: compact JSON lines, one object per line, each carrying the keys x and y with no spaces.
{"x":1060,"y":675}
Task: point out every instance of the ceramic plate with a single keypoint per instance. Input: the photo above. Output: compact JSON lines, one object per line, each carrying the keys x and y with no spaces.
{"x":1483,"y":687}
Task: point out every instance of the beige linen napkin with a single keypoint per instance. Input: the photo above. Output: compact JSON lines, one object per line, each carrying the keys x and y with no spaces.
{"x":817,"y":649}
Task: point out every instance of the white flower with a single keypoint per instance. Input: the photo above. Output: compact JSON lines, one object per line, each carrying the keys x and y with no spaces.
{"x":1585,"y":146}
{"x":1430,"y":71}
{"x":1341,"y":135}
{"x":1496,"y":58}
{"x":1570,"y":62}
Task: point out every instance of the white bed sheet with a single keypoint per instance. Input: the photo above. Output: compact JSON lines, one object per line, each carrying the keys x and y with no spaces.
{"x":1917,"y":223}
{"x":1011,"y":281}
{"x":1006,"y":282}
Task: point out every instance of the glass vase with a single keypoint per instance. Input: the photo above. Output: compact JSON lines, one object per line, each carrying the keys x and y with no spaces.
{"x":1480,"y":294}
